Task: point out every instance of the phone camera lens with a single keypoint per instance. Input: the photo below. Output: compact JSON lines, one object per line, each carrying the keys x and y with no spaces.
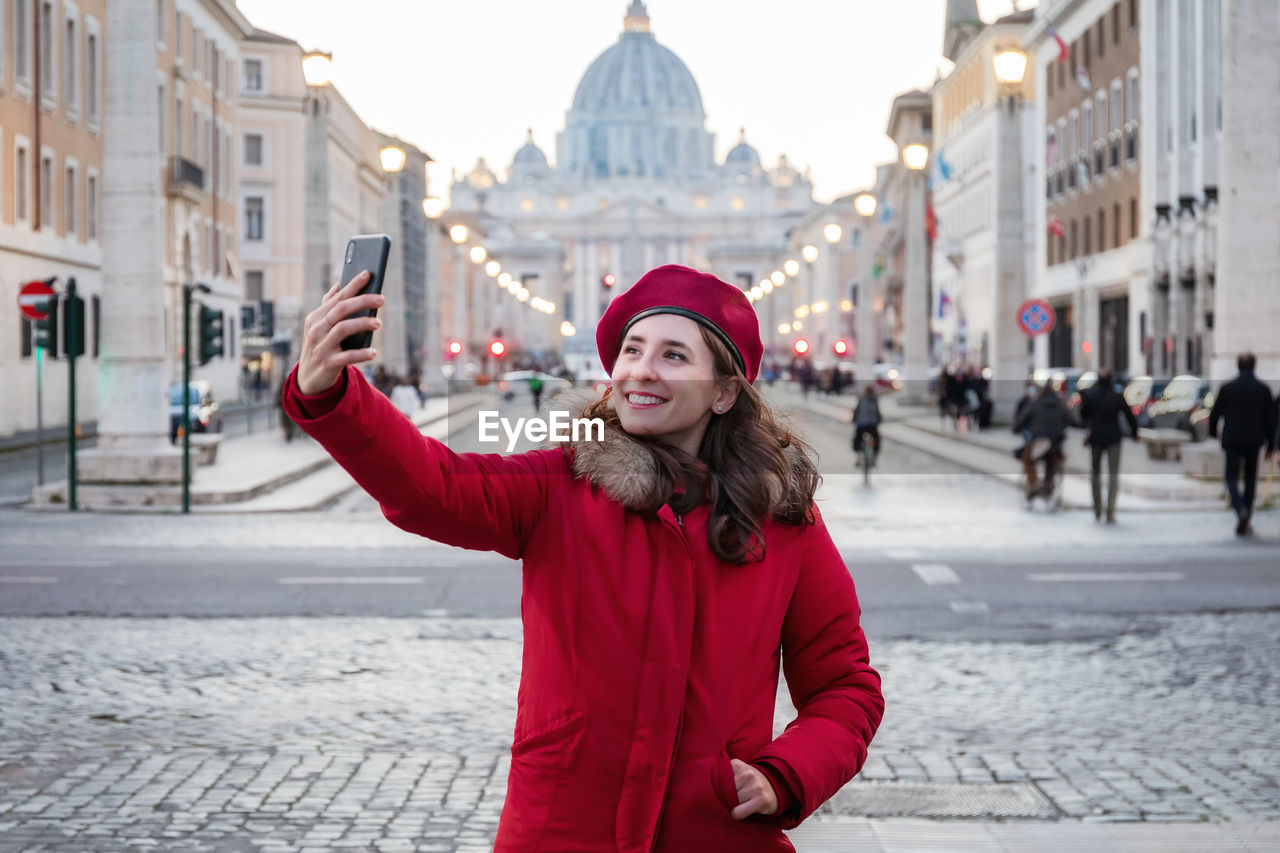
{"x":351,"y":251}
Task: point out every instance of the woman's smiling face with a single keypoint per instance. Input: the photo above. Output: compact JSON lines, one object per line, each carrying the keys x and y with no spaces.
{"x":664,"y":382}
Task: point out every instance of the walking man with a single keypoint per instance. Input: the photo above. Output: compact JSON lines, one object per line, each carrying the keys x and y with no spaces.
{"x":1101,"y":410}
{"x":1246,"y":406}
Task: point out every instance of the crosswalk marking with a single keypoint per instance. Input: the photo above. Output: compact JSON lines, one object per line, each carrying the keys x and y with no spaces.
{"x":372,"y":580}
{"x":935,"y":573}
{"x":1106,"y":577}
{"x":904,"y":554}
{"x":29,"y":580}
{"x":969,"y":607}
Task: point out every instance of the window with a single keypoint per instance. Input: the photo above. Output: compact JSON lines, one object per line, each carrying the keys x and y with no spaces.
{"x":1086,"y":137}
{"x":179,"y":120}
{"x":1131,"y":118}
{"x":1048,"y":83}
{"x":160,"y":24}
{"x":92,"y":73}
{"x":253,"y":215}
{"x":1133,"y":218}
{"x":91,"y":207}
{"x":21,"y":45}
{"x":253,"y":285}
{"x":1072,"y":146}
{"x":70,"y":227}
{"x":1102,"y":37}
{"x":252,"y":149}
{"x":1133,"y":15}
{"x":1099,"y":145}
{"x":179,"y":35}
{"x":1088,"y":231}
{"x":48,"y":70}
{"x":21,"y":182}
{"x":95,"y":320}
{"x":253,"y":75}
{"x":160,"y":108}
{"x":1117,"y":121}
{"x":46,"y":189}
{"x":70,"y":79}
{"x":1115,"y":23}
{"x":195,"y":52}
{"x":1102,"y":230}
{"x":1115,"y":222}
{"x":1075,"y":230}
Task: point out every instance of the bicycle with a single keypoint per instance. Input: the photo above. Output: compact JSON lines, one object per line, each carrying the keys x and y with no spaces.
{"x":867,"y":456}
{"x":1050,"y":486}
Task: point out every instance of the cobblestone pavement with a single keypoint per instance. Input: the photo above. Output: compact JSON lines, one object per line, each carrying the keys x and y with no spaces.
{"x":381,"y":734}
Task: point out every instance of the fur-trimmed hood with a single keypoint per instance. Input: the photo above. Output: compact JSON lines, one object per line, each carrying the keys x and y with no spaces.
{"x":622,"y":466}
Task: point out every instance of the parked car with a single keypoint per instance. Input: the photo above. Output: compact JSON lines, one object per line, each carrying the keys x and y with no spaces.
{"x":1141,"y":393}
{"x":204,"y":410}
{"x":1184,"y":404}
{"x":1087,"y":380}
{"x":1063,"y":379}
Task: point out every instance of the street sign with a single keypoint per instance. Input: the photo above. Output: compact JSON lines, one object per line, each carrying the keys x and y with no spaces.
{"x":33,"y":296}
{"x":1036,"y":317}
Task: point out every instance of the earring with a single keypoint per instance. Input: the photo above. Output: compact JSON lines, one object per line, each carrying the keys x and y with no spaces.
{"x":719,"y":408}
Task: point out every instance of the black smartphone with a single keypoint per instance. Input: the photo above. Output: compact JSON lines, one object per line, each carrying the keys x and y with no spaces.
{"x":365,"y":252}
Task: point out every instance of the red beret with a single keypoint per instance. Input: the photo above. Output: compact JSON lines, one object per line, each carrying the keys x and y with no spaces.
{"x":703,"y":298}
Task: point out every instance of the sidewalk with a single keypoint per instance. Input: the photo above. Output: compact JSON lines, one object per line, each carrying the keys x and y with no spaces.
{"x":1146,"y":485}
{"x":923,"y":836}
{"x":261,"y":472}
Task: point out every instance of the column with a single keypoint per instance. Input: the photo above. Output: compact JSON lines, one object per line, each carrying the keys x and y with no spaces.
{"x":867,"y":345}
{"x":915,"y":321}
{"x":133,"y":373}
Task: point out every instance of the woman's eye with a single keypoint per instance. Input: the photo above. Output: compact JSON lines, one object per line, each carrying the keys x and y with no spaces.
{"x":678,"y":355}
{"x":629,"y":350}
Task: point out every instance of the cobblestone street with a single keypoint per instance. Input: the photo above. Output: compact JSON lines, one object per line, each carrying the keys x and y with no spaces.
{"x":293,"y":734}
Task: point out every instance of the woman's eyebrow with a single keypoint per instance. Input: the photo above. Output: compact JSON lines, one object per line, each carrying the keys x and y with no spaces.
{"x":670,"y":342}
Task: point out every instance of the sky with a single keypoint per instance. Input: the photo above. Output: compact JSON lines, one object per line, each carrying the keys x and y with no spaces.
{"x":464,"y":79}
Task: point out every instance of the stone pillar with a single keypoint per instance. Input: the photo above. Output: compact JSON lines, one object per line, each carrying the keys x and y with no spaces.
{"x":591,"y":304}
{"x":867,"y":344}
{"x":1008,"y":357}
{"x":133,"y":373}
{"x":915,"y":320}
{"x":1246,"y":298}
{"x":581,"y":291}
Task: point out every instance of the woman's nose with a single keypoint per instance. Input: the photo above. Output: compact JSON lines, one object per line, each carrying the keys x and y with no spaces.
{"x":641,"y":368}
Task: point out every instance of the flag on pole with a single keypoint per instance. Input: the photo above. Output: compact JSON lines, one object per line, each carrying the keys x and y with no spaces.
{"x":877,"y":269}
{"x":1056,"y":228}
{"x":931,"y":222}
{"x":944,"y":168}
{"x":944,"y":302}
{"x":1064,"y":53}
{"x":1082,"y":77}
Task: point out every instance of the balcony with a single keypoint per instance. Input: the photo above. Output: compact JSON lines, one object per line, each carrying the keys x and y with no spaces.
{"x":185,"y":180}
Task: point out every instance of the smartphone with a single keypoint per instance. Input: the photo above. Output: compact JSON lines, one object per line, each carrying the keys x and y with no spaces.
{"x":365,"y":252}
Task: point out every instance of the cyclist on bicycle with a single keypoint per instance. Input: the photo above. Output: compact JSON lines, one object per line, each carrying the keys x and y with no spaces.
{"x":1046,"y":421}
{"x":866,"y":420}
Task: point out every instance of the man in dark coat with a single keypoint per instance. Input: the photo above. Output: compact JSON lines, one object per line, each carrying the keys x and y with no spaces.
{"x":1101,"y":410}
{"x":1046,"y":418}
{"x":1246,"y":406}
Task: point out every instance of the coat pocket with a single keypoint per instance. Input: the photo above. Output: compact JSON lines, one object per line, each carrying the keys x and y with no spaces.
{"x":541,"y":764}
{"x":722,"y":781}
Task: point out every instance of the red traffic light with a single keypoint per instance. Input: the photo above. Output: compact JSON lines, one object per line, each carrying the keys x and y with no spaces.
{"x":801,"y":346}
{"x":608,"y":279}
{"x":455,"y":348}
{"x":840,"y":347}
{"x":497,"y":348}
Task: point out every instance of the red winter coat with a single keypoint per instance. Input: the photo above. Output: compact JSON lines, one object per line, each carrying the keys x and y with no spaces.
{"x":648,"y":662}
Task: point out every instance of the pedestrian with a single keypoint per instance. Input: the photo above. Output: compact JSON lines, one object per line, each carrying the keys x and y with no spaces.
{"x":1249,"y":411}
{"x":535,"y":388}
{"x":866,"y":420}
{"x":404,"y":396}
{"x":1101,"y":409}
{"x":1045,"y":421}
{"x":668,"y":570}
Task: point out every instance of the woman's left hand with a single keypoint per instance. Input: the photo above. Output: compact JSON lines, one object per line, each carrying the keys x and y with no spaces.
{"x":755,"y":794}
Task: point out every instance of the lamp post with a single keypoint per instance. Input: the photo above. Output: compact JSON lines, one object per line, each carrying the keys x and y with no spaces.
{"x":915,"y":323}
{"x":316,"y":69}
{"x":458,"y":234}
{"x":1010,"y":353}
{"x":865,"y":204}
{"x":810,"y":254}
{"x":832,"y":233}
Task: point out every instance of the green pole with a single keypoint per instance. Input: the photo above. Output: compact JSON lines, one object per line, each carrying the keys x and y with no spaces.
{"x":186,"y":398}
{"x":73,"y":320}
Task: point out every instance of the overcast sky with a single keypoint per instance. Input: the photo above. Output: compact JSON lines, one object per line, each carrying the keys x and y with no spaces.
{"x":462,"y":79}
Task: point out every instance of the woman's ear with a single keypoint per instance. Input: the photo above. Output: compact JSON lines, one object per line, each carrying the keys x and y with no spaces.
{"x":727,"y":396}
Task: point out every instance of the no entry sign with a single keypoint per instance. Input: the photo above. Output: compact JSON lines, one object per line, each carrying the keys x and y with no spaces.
{"x":1035,"y":317}
{"x":31,"y":297}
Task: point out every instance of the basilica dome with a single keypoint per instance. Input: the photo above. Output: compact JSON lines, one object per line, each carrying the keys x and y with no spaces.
{"x":637,"y":112}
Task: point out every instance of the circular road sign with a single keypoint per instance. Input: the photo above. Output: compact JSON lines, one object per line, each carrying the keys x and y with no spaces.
{"x":1035,"y":317}
{"x":30,"y":297}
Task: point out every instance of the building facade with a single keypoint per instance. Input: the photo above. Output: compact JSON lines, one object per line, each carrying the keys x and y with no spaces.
{"x":51,"y":149}
{"x":635,"y":185}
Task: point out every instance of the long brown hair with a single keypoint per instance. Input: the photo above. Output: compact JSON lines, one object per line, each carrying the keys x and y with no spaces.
{"x":750,"y":465}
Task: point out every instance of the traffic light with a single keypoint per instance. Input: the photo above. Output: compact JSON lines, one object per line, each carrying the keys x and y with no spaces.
{"x":497,"y":348}
{"x":608,"y":279}
{"x":454,"y":349}
{"x":840,"y":348}
{"x":73,"y":326}
{"x":210,"y":334}
{"x":801,"y":346}
{"x":47,"y":329}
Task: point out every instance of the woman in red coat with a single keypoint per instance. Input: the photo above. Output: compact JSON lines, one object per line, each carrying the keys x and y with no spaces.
{"x":668,"y":570}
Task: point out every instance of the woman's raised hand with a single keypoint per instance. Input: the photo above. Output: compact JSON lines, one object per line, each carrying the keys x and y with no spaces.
{"x":323,"y":358}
